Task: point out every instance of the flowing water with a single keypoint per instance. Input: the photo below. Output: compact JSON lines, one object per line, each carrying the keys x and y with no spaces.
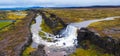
{"x":68,"y":41}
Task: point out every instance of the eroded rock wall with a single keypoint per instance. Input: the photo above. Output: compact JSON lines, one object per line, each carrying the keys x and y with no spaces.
{"x":107,"y":43}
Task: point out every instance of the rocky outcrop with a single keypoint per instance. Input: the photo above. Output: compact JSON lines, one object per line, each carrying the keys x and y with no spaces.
{"x":107,"y":43}
{"x":52,"y":21}
{"x":39,"y":52}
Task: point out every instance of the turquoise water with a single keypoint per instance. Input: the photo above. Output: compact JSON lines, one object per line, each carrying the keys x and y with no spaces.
{"x":7,"y":20}
{"x":5,"y":23}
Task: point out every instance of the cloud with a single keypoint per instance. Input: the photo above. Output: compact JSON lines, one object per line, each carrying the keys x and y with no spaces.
{"x":56,"y":3}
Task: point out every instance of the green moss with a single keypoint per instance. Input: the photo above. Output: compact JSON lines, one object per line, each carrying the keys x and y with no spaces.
{"x":41,"y":34}
{"x":89,"y":52}
{"x":33,"y":22}
{"x":44,"y":37}
{"x":45,"y":27}
{"x":49,"y":39}
{"x":27,"y":51}
{"x":47,"y":15}
{"x":59,"y":27}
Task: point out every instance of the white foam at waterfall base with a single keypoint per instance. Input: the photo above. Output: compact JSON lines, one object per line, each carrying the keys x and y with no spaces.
{"x":69,"y":36}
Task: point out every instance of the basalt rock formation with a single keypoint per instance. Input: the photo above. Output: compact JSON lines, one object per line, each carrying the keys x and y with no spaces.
{"x":107,"y":43}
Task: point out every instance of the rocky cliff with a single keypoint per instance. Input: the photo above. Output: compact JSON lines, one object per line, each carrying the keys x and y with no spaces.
{"x":107,"y":43}
{"x":53,"y":21}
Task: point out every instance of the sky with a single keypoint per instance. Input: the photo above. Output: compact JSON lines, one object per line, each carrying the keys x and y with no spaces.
{"x":55,"y":3}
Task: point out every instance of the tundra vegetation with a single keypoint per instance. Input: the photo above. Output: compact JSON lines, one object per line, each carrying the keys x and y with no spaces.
{"x":28,"y":50}
{"x":9,"y":19}
{"x":90,"y":49}
{"x":78,"y":15}
{"x":107,"y":28}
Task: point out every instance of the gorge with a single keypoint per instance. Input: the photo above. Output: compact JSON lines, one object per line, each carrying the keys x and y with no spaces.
{"x":63,"y":43}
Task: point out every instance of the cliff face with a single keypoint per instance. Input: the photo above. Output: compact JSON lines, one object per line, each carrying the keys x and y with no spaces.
{"x":106,"y":43}
{"x":53,"y":21}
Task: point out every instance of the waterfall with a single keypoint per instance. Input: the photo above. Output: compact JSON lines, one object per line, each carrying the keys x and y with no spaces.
{"x":68,"y":37}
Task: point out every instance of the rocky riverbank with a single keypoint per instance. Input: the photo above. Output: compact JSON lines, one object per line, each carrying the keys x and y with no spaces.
{"x":53,"y":21}
{"x":107,"y":43}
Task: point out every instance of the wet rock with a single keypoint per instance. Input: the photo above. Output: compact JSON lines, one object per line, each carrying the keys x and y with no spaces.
{"x":39,"y":52}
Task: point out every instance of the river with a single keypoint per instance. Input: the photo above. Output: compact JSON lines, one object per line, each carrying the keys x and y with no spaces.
{"x":68,"y":41}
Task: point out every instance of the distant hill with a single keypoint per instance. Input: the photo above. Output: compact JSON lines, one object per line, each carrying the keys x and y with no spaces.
{"x":20,"y":8}
{"x":86,"y":7}
{"x":37,"y":7}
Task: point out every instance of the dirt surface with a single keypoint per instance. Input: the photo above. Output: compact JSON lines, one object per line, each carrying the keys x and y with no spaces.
{"x":15,"y":40}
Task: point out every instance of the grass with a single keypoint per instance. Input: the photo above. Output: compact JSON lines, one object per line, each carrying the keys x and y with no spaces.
{"x":92,"y":50}
{"x":44,"y":37}
{"x":77,"y":15}
{"x":12,"y":15}
{"x":103,"y":26}
{"x":89,"y":52}
{"x":4,"y":23}
{"x":16,"y":15}
{"x":45,"y":27}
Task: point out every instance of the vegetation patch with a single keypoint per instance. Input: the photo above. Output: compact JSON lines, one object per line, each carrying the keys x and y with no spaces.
{"x":88,"y":52}
{"x":91,"y":50}
{"x":110,"y":27}
{"x":44,"y":37}
{"x":13,"y":15}
{"x":16,"y":15}
{"x":77,"y":15}
{"x":28,"y":50}
{"x":4,"y":23}
{"x":45,"y":27}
